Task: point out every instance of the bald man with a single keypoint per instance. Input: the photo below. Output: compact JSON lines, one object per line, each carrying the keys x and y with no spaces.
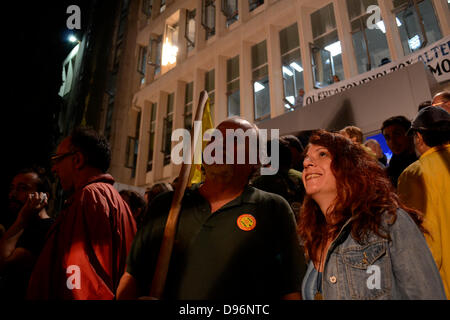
{"x":232,"y":241}
{"x":442,"y":99}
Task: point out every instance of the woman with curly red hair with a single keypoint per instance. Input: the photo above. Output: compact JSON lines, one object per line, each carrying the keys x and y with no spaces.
{"x":362,"y":243}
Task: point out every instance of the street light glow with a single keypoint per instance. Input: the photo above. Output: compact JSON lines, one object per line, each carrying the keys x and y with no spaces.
{"x":72,"y":38}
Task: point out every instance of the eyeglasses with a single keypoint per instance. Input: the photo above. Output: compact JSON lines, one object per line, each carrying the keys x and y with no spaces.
{"x":58,"y":157}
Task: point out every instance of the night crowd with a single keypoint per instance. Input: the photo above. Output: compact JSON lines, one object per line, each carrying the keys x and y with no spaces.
{"x":337,"y":221}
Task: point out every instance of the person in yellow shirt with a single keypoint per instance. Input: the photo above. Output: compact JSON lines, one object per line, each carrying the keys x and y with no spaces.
{"x":425,"y":184}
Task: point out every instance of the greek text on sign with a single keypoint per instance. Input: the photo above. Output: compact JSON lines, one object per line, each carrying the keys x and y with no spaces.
{"x":436,"y":57}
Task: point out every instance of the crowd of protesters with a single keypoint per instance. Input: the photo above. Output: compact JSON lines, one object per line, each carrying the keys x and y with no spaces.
{"x":338,"y":220}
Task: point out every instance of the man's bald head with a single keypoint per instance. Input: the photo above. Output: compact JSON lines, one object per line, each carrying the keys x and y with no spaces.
{"x":239,"y":142}
{"x":442,"y":99}
{"x":236,"y":123}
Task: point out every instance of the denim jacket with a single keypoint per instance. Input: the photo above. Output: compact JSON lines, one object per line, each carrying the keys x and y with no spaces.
{"x":402,"y":268}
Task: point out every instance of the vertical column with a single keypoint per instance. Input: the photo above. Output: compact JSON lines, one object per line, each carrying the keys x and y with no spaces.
{"x":392,"y":33}
{"x":158,"y":156}
{"x":245,"y":82}
{"x":178,"y":118}
{"x":141,"y":163}
{"x":345,"y":37}
{"x":305,"y":32}
{"x":178,"y":107}
{"x":156,"y":6}
{"x":443,"y":15}
{"x":244,"y":10}
{"x":221,"y":20}
{"x":275,"y":76}
{"x":200,"y":33}
{"x":199,"y":86}
{"x":220,"y":81}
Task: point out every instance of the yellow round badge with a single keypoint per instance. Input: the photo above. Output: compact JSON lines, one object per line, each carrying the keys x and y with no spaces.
{"x":246,"y":222}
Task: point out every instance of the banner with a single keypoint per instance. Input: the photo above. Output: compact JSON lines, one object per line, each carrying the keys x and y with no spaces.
{"x":435,"y":56}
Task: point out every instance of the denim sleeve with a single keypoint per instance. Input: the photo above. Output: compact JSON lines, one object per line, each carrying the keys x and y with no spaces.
{"x":415,"y":271}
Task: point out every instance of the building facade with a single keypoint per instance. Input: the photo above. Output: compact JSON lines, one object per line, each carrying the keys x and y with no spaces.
{"x":252,"y":57}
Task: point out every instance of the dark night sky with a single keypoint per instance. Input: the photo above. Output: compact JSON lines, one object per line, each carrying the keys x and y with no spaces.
{"x":34,"y":46}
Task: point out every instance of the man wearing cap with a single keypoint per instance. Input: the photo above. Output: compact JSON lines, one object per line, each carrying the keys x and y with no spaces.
{"x":233,"y":241}
{"x":425,"y":184}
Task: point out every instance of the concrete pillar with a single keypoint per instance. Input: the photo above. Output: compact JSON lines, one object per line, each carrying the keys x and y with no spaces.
{"x":392,"y":32}
{"x":156,"y":6}
{"x":221,"y":20}
{"x":220,"y":80}
{"x":178,"y":107}
{"x":443,"y":15}
{"x":200,"y":32}
{"x":244,"y":11}
{"x":345,"y":37}
{"x":178,"y":117}
{"x":245,"y":82}
{"x":306,"y":37}
{"x":275,"y":76}
{"x":199,"y":86}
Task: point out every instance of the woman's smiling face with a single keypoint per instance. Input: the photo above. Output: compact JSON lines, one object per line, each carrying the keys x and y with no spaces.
{"x":317,"y":176}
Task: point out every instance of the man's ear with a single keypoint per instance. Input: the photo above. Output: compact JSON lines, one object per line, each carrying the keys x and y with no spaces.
{"x":419,"y":138}
{"x":79,"y":160}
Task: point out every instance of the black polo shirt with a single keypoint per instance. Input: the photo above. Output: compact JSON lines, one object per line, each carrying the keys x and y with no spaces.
{"x":248,"y":249}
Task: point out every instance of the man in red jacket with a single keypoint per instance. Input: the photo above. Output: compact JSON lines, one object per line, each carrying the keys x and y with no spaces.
{"x":86,"y":248}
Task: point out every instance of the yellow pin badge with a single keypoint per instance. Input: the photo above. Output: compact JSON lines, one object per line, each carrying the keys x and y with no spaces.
{"x":246,"y":222}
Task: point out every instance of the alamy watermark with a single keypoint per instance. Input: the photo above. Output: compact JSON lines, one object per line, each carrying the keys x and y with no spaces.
{"x":74,"y":20}
{"x":374,"y":281}
{"x":374,"y":20}
{"x":254,"y":150}
{"x":74,"y":277}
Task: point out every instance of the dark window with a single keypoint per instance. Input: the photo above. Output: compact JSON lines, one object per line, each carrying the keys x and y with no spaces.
{"x":151,"y":146}
{"x":209,"y":17}
{"x":233,"y":92}
{"x":167,"y":129}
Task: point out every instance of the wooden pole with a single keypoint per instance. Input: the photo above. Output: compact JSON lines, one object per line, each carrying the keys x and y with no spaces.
{"x":165,"y":251}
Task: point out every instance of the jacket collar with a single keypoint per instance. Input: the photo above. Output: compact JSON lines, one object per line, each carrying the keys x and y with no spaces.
{"x":105,"y":178}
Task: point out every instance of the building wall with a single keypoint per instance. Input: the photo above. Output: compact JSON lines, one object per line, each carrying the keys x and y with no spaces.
{"x":84,"y":69}
{"x":139,"y":93}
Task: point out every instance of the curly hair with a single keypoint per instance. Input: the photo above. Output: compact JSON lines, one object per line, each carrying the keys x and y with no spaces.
{"x":364,"y":194}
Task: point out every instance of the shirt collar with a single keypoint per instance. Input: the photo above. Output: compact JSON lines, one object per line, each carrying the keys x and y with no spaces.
{"x":105,"y":178}
{"x":435,"y":149}
{"x":247,"y":196}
